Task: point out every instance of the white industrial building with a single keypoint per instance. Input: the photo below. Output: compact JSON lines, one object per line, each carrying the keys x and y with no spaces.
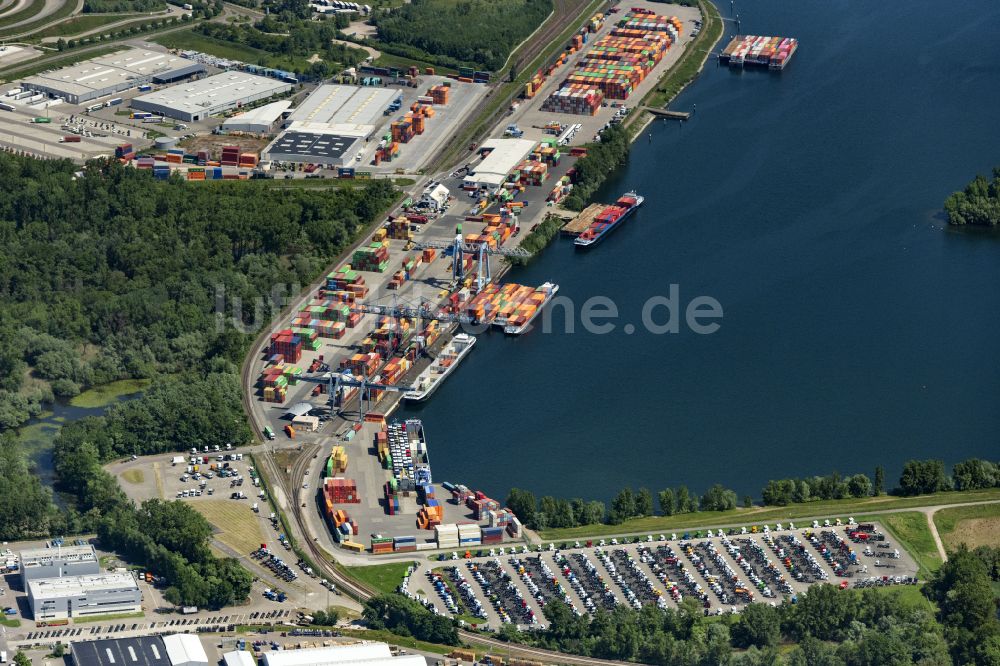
{"x":210,"y":96}
{"x":331,"y":125}
{"x":492,"y":172}
{"x":261,"y":120}
{"x":80,"y":596}
{"x":185,"y":650}
{"x":434,"y":197}
{"x":359,"y":654}
{"x":238,"y":658}
{"x":110,"y":74}
{"x":39,"y":563}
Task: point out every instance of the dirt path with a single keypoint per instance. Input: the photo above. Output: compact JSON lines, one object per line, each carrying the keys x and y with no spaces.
{"x":371,"y":52}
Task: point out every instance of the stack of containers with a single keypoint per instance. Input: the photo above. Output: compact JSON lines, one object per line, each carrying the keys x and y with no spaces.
{"x":274,"y":383}
{"x":123,"y":149}
{"x":161,"y":172}
{"x":514,"y":527}
{"x":341,"y":491}
{"x":446,"y":535}
{"x":337,"y":462}
{"x":595,"y":23}
{"x":145,"y":163}
{"x":230,"y":156}
{"x":399,"y":228}
{"x":374,"y":257}
{"x":287,"y":344}
{"x":175,"y":156}
{"x":439,"y":94}
{"x":402,"y":130}
{"x":469,"y":535}
{"x":404,"y":544}
{"x":248,"y":160}
{"x":576,"y":99}
{"x":532,"y":173}
{"x":381,"y":545}
{"x":492,"y":535}
{"x":391,"y":500}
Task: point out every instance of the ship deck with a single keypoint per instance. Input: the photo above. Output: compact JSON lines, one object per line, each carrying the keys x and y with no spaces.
{"x":579,"y":224}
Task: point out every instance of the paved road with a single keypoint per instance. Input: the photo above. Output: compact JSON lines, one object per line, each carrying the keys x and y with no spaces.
{"x":171,"y":12}
{"x":51,"y":7}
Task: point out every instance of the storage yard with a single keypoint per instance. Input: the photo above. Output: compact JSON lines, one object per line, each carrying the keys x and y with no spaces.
{"x":723,"y":572}
{"x":613,"y":63}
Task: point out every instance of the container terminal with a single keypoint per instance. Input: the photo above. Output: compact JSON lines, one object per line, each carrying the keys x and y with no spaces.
{"x":772,"y":52}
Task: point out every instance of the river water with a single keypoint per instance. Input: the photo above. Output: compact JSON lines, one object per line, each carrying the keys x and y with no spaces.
{"x":858,"y":329}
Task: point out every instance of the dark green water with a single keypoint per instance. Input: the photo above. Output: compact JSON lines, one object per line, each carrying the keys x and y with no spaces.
{"x":858,"y":328}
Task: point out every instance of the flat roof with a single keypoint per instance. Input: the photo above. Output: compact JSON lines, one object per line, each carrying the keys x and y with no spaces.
{"x":68,"y":586}
{"x":64,"y":553}
{"x":100,"y":73}
{"x":328,"y":655}
{"x":213,"y":91}
{"x":506,"y":155}
{"x":239,"y":658}
{"x":333,"y":104}
{"x":185,"y":648}
{"x":311,"y":144}
{"x":138,"y":651}
{"x":265,"y":115}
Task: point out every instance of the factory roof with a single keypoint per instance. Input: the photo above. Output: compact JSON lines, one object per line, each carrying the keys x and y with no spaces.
{"x":263,"y":115}
{"x":333,"y":104}
{"x":214,"y":91}
{"x":506,"y":155}
{"x":110,"y":70}
{"x":328,"y":655}
{"x":238,"y":658}
{"x":67,"y":586}
{"x":311,"y":144}
{"x":185,"y":649}
{"x":300,"y":408}
{"x":138,"y":651}
{"x":65,"y":553}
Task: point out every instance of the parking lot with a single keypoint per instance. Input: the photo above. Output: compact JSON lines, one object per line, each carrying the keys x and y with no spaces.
{"x":722,"y":572}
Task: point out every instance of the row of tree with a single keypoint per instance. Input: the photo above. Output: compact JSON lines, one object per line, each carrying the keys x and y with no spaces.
{"x":918,"y":477}
{"x":477,"y":32}
{"x":600,"y":160}
{"x":824,"y":626}
{"x":406,"y":617}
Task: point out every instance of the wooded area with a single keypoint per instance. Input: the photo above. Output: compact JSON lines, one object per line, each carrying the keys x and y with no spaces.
{"x":978,"y":204}
{"x":455,"y":33}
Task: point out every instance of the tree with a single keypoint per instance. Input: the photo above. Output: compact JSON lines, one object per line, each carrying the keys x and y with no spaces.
{"x":977,"y":204}
{"x":879,"y":481}
{"x":523,"y":504}
{"x":975,"y":474}
{"x":595,"y":513}
{"x":21,"y":659}
{"x":644,"y":502}
{"x":758,"y":624}
{"x":966,"y":607}
{"x":718,"y":498}
{"x":922,"y":476}
{"x":683,"y":499}
{"x":859,"y":485}
{"x":622,"y":507}
{"x":667,"y":502}
{"x":778,"y":493}
{"x":747,"y":502}
{"x":58,"y":650}
{"x":408,"y":618}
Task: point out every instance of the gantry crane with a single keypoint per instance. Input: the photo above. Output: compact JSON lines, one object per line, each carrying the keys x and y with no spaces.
{"x":459,"y":248}
{"x":337,"y":381}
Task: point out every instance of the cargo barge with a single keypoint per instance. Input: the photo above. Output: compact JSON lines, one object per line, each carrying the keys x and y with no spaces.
{"x":432,"y":377}
{"x":609,"y":219}
{"x":771,"y":52}
{"x":519,"y":323}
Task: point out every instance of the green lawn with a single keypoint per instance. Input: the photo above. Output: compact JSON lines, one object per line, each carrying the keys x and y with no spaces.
{"x":66,"y":10}
{"x":771,"y":514}
{"x":102,"y":396}
{"x":34,"y":8}
{"x":973,"y":525}
{"x":382,"y":577}
{"x":104,"y":618}
{"x":12,"y":623}
{"x":190,"y":39}
{"x":403,"y":63}
{"x":83,"y":23}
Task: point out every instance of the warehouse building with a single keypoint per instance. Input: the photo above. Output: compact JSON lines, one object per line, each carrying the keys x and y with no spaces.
{"x":139,"y":651}
{"x":185,"y":650}
{"x":40,"y":563}
{"x":333,"y":104}
{"x":80,"y":596}
{"x":110,"y":74}
{"x":358,"y":654}
{"x":210,"y":96}
{"x":315,"y":146}
{"x":175,"y":650}
{"x":238,"y":658}
{"x":262,"y":120}
{"x":492,"y":172}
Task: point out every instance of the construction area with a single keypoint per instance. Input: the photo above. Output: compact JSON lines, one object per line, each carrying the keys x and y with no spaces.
{"x":722,"y":571}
